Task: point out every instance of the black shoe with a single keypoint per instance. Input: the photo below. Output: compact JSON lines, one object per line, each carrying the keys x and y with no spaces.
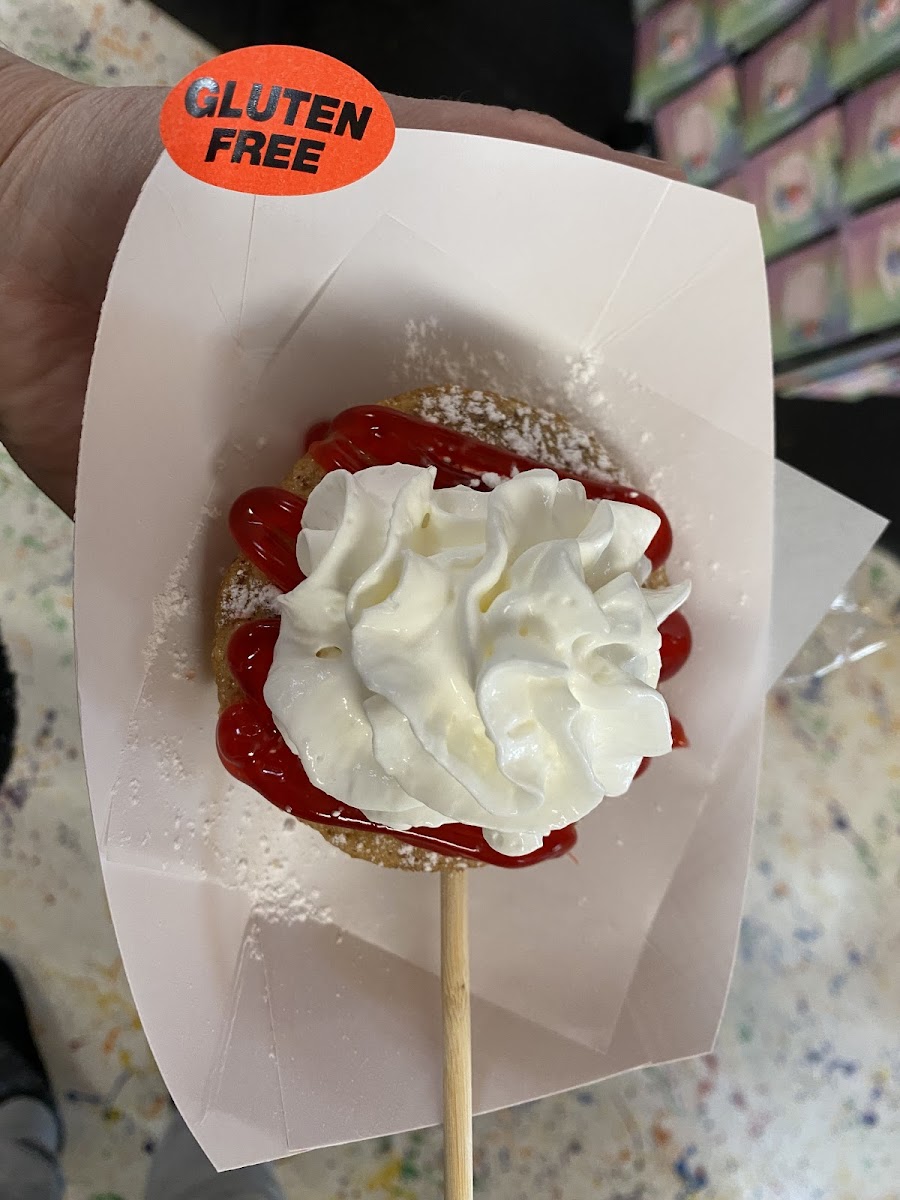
{"x":22,"y":1070}
{"x":7,"y":713}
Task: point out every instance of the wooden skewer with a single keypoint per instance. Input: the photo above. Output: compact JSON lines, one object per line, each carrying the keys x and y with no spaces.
{"x":457,"y":1037}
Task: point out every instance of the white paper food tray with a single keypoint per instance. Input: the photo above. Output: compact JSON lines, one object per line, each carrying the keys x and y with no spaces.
{"x":288,"y":992}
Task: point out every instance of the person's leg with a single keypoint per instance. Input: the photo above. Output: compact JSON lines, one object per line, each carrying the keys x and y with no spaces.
{"x":180,"y":1170}
{"x":30,"y":1130}
{"x":29,"y":1143}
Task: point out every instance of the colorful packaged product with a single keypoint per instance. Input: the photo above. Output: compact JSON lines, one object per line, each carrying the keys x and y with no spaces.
{"x":865,"y":38}
{"x":743,"y":24}
{"x":787,"y":79}
{"x":808,"y":299}
{"x":674,"y":46}
{"x":795,"y":184}
{"x":872,"y":253}
{"x":843,"y":382}
{"x":701,"y":131}
{"x":872,"y":142}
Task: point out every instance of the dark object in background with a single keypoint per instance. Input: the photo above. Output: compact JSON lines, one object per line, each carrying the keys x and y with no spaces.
{"x":22,"y":1070}
{"x":572,"y":59}
{"x":7,"y":713}
{"x":852,"y":447}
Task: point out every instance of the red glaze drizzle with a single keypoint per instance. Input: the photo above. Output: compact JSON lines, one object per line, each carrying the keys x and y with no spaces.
{"x":375,"y":435}
{"x":676,"y":644}
{"x":265,"y":523}
{"x":679,"y":742}
{"x":315,"y":433}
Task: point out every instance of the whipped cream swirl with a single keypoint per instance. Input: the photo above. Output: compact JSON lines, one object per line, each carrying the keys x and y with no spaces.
{"x":489,"y":658}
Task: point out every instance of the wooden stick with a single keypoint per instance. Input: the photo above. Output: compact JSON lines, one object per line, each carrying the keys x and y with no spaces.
{"x":457,"y":1037}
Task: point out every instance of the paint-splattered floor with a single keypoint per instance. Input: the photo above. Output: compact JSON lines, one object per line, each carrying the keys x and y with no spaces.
{"x":802,"y":1098}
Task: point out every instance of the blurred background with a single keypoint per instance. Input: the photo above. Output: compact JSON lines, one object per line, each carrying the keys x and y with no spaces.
{"x":791,"y":105}
{"x":795,"y":107}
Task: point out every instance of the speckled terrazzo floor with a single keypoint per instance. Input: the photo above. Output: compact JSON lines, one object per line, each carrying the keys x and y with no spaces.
{"x":801,"y":1099}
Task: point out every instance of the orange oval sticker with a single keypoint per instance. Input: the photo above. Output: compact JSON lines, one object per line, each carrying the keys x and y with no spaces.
{"x":276,"y":121}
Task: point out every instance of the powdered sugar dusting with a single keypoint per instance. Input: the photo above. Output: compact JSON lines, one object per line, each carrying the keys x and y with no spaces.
{"x":172,"y":602}
{"x":555,"y":443}
{"x":248,"y":844}
{"x":243,"y":599}
{"x":424,"y":860}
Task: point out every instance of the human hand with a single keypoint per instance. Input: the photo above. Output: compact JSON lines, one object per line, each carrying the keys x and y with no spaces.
{"x":72,"y":162}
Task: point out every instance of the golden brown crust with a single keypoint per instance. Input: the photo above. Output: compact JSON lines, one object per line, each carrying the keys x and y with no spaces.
{"x":245,"y":594}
